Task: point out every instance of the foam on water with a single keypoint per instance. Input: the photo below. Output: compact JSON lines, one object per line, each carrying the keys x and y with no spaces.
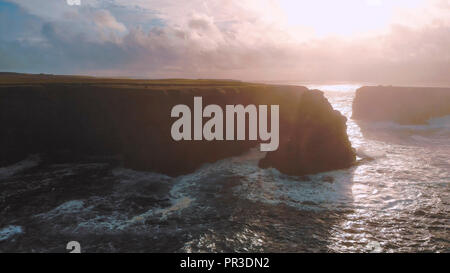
{"x":399,"y":197}
{"x":438,"y":123}
{"x":70,"y":207}
{"x":366,"y":153}
{"x":9,"y":231}
{"x":394,"y":199}
{"x":315,"y":193}
{"x":177,"y":206}
{"x":110,"y":213}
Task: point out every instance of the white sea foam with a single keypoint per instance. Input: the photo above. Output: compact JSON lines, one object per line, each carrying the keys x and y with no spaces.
{"x":9,"y":231}
{"x":432,"y":124}
{"x":440,"y":122}
{"x":177,"y":206}
{"x":272,"y":187}
{"x":371,"y":154}
{"x":69,"y":207}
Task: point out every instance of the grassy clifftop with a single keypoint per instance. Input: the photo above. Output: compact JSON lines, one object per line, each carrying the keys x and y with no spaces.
{"x":8,"y":78}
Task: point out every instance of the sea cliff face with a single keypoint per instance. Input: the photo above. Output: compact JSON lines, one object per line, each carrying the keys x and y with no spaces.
{"x":403,"y":105}
{"x":314,"y":140}
{"x":67,"y":118}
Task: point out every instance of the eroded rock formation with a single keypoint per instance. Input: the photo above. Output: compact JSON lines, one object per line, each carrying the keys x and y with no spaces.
{"x":403,"y":105}
{"x":314,"y":139}
{"x":66,"y":118}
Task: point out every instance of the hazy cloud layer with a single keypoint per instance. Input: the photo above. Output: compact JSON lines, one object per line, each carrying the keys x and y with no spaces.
{"x":242,"y":39}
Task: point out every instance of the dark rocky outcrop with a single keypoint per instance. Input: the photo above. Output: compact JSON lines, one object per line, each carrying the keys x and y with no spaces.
{"x":313,"y":140}
{"x":403,"y":105}
{"x":66,"y":118}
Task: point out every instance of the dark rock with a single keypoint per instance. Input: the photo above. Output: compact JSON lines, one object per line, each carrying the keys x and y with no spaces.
{"x":403,"y":105}
{"x":67,"y":118}
{"x":313,"y":139}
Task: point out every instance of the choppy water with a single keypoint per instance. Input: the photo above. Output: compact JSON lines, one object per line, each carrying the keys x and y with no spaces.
{"x":397,"y":199}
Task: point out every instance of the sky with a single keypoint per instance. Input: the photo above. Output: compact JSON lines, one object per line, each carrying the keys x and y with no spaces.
{"x":320,"y":41}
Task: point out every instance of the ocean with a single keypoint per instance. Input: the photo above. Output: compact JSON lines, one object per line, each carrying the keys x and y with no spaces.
{"x":395,"y":199}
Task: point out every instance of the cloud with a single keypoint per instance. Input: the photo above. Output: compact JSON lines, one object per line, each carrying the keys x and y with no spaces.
{"x":105,"y":20}
{"x":246,"y":39}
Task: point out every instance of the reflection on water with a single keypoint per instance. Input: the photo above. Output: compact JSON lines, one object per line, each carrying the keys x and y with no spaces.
{"x":401,"y":199}
{"x":395,"y":199}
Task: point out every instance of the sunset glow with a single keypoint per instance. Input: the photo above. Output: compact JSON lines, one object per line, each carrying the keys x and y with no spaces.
{"x":195,"y":127}
{"x":376,"y":41}
{"x":347,"y":17}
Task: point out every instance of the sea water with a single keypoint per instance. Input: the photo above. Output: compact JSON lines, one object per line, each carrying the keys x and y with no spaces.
{"x":395,"y":199}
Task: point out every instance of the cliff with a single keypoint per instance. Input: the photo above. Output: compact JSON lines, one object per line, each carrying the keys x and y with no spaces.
{"x":404,"y":105}
{"x":314,"y":140}
{"x":66,"y":118}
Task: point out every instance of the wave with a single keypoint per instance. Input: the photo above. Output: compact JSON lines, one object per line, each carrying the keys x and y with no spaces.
{"x":432,"y":124}
{"x":435,"y":133}
{"x":321,"y":191}
{"x":369,"y":154}
{"x":137,"y":197}
{"x":9,"y":232}
{"x":30,"y":162}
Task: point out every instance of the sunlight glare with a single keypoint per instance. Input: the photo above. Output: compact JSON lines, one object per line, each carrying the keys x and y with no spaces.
{"x":345,"y":17}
